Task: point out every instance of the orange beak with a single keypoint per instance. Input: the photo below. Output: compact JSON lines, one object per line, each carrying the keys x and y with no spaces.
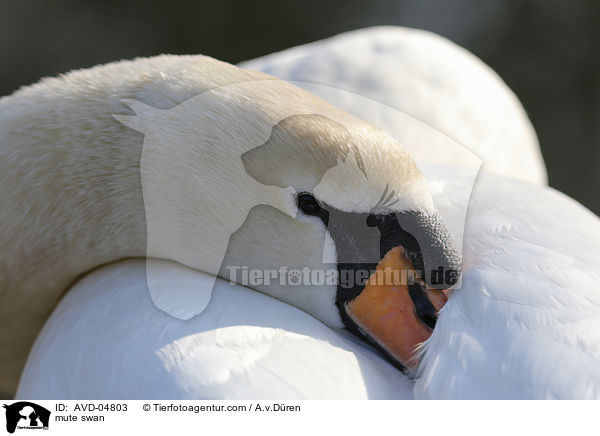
{"x":386,"y":313}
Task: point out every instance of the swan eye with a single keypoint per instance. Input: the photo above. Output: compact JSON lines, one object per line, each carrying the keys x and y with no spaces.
{"x":308,"y":204}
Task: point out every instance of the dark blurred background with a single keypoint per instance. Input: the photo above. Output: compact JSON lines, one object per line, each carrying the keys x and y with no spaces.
{"x":546,"y":50}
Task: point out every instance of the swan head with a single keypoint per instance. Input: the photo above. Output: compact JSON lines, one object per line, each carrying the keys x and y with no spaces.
{"x":301,"y":201}
{"x":355,"y":186}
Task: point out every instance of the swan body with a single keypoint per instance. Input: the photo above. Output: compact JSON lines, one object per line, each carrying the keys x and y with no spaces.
{"x":245,"y":345}
{"x":87,"y":188}
{"x":404,"y":80}
{"x":517,"y":326}
{"x":522,"y":325}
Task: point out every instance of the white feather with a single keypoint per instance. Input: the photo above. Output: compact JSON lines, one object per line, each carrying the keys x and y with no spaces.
{"x":523,"y":323}
{"x":423,"y":89}
{"x":106,"y":340}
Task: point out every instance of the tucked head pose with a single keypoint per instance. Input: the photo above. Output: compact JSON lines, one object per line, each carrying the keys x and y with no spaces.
{"x":234,"y":169}
{"x":205,"y":174}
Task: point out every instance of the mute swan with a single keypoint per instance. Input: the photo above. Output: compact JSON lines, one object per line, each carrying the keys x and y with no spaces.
{"x":458,"y":363}
{"x":327,"y":189}
{"x":524,"y":324}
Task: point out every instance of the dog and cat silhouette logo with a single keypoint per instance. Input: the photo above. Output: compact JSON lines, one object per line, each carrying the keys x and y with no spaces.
{"x":26,"y":415}
{"x":251,"y":171}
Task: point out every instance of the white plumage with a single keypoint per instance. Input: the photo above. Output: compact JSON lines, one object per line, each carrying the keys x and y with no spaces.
{"x":406,"y":80}
{"x":107,"y":340}
{"x":523,"y":324}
